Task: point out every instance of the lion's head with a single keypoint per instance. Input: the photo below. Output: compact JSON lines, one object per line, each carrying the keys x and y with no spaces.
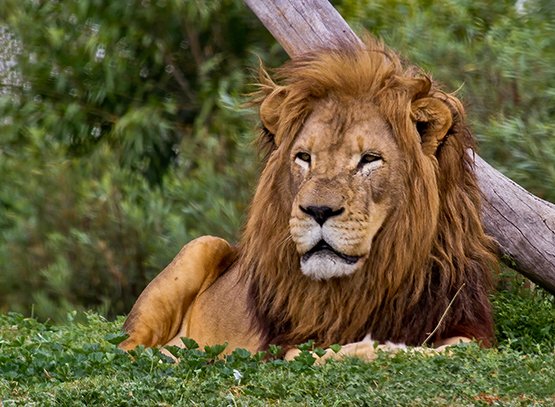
{"x":366,"y":219}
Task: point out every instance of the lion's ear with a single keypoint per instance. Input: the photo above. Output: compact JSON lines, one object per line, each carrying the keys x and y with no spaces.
{"x":433,"y":120}
{"x":270,"y":109}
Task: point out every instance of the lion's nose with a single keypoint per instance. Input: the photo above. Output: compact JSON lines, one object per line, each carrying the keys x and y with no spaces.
{"x":321,"y":213}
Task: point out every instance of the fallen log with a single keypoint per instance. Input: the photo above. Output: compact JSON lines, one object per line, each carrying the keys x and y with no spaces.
{"x":522,"y":224}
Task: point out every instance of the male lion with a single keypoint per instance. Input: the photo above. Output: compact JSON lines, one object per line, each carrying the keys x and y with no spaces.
{"x":365,"y":222}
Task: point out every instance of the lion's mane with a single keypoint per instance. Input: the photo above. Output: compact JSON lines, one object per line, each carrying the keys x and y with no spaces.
{"x":421,"y":257}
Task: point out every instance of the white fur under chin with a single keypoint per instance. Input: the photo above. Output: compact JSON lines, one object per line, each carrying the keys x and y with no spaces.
{"x":322,"y":266}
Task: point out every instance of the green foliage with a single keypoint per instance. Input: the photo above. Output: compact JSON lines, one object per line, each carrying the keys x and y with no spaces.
{"x":77,"y":363}
{"x":524,"y":315}
{"x":93,"y":239}
{"x":123,"y":136}
{"x":143,"y":77}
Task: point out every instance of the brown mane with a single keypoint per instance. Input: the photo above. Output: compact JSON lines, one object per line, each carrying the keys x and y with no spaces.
{"x":420,"y":258}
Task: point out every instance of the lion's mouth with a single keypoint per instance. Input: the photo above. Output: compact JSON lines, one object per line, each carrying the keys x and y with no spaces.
{"x":323,"y":248}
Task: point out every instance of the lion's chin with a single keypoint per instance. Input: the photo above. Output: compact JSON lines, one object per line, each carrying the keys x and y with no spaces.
{"x":325,"y":265}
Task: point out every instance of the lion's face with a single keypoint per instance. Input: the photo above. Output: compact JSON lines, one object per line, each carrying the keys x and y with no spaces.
{"x":344,"y":165}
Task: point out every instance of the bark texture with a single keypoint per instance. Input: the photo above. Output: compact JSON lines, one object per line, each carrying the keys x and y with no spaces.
{"x":522,"y":224}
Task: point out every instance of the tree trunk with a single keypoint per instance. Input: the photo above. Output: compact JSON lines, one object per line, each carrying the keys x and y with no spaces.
{"x":522,"y":224}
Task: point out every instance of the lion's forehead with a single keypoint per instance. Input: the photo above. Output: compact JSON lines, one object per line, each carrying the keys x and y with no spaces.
{"x":344,"y":129}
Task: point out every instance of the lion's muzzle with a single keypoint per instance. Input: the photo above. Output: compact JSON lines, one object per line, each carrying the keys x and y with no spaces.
{"x":328,"y":239}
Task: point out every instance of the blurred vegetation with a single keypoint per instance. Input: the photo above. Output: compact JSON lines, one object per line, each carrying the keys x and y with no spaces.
{"x":123,"y":136}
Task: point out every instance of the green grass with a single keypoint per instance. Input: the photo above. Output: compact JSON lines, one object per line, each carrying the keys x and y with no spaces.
{"x":77,"y":363}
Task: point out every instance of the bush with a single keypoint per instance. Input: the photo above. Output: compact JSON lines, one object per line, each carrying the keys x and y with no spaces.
{"x":524,"y":315}
{"x":120,"y":143}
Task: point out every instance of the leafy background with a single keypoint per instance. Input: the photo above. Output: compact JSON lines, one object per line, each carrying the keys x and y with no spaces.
{"x":123,"y":132}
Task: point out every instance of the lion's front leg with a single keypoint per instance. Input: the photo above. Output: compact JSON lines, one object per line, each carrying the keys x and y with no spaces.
{"x":367,"y":349}
{"x":444,"y":344}
{"x":158,"y":313}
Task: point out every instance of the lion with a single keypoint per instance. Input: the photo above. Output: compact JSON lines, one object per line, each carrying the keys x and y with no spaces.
{"x":365,"y":222}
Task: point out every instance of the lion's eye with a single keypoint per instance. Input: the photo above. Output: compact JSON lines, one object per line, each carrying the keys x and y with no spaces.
{"x":369,"y":158}
{"x":303,"y":159}
{"x":369,"y":162}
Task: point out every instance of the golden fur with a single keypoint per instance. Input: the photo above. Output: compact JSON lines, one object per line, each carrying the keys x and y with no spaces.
{"x":428,"y":244}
